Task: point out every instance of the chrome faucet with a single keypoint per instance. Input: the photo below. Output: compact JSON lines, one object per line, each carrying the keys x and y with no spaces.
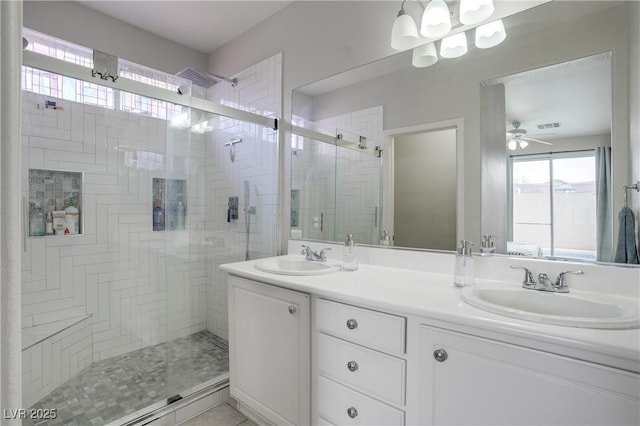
{"x":544,"y":282}
{"x":314,"y":256}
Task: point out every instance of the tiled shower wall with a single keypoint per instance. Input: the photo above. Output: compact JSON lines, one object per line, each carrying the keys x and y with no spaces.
{"x":357,"y":179}
{"x":259,"y":90}
{"x":116,"y":270}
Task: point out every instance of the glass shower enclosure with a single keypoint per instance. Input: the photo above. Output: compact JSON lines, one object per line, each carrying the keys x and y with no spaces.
{"x":127,"y":314}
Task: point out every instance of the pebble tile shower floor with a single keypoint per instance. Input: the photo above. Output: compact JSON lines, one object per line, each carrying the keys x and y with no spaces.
{"x":110,"y":389}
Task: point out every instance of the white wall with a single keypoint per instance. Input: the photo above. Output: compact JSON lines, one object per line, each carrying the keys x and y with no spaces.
{"x":633,"y":21}
{"x":81,"y":25}
{"x":317,"y":38}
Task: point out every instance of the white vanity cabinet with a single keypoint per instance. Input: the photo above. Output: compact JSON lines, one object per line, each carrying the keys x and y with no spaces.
{"x":471,"y":380}
{"x":360,"y":371}
{"x":269,"y":347}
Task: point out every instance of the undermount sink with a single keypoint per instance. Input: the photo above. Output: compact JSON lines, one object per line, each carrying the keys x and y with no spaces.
{"x":293,"y":266}
{"x":567,"y":309}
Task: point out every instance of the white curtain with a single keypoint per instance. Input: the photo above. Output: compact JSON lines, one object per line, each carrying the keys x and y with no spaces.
{"x":603,"y":205}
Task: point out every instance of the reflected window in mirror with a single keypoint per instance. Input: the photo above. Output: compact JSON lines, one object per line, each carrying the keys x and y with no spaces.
{"x":553,"y":205}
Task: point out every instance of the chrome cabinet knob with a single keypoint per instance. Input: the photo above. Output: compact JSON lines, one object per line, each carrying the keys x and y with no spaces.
{"x":292,"y":309}
{"x":352,"y":412}
{"x":352,"y":324}
{"x":352,"y":366}
{"x":440,"y":355}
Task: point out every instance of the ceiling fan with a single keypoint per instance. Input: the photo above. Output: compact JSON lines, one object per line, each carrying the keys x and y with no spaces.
{"x":517,"y":136}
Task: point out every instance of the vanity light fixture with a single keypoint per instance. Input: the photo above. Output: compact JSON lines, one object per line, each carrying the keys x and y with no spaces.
{"x":436,"y":23}
{"x":475,"y":11}
{"x":454,"y":46}
{"x":404,"y":34}
{"x":436,"y":19}
{"x":424,"y":56}
{"x":490,"y":35}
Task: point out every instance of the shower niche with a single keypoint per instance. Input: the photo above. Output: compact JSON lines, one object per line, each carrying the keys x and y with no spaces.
{"x":169,"y":208}
{"x":54,"y":203}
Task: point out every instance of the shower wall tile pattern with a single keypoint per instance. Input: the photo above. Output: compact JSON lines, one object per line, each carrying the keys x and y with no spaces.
{"x":51,"y":361}
{"x":119,"y":271}
{"x":259,"y":90}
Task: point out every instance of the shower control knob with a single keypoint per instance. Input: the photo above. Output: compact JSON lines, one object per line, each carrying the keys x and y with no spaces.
{"x":352,"y":324}
{"x":440,"y":355}
{"x":292,"y":309}
{"x":352,"y":412}
{"x":352,"y":366}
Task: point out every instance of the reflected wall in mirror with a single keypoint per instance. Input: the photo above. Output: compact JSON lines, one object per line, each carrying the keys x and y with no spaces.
{"x":558,"y":163}
{"x":552,"y":33}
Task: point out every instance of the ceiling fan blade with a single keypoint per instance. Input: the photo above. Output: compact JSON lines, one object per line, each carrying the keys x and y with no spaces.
{"x":537,"y":141}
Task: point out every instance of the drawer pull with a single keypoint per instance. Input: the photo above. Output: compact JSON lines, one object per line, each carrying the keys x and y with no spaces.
{"x":352,"y":324}
{"x":352,"y":412}
{"x":440,"y":355}
{"x":352,"y":365}
{"x":292,"y":309}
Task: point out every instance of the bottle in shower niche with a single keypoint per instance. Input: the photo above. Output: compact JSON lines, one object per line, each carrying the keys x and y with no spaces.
{"x":464,"y":272}
{"x":158,"y":216}
{"x":36,"y":221}
{"x":349,"y":256}
{"x":72,"y":217}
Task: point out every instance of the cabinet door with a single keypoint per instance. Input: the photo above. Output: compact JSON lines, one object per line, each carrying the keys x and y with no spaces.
{"x":481,"y":381}
{"x":269,"y":350}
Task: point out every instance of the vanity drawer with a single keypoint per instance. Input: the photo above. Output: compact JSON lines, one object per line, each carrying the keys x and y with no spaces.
{"x":374,"y":373}
{"x":343,"y":406}
{"x":375,"y":329}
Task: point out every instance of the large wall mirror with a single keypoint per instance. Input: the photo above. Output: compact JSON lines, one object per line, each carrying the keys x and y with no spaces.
{"x":561,"y":76}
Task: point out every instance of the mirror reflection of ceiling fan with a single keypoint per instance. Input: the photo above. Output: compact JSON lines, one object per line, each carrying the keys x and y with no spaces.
{"x":518,"y":137}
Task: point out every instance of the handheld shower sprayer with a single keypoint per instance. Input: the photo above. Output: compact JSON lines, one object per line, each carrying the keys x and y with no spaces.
{"x":248,"y":211}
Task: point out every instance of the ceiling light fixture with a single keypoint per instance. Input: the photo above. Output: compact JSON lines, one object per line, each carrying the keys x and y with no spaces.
{"x":436,"y":23}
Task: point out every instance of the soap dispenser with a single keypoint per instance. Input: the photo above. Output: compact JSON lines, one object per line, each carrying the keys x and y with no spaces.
{"x":487,"y":247}
{"x":464,"y":267}
{"x":385,"y":241}
{"x":349,"y":256}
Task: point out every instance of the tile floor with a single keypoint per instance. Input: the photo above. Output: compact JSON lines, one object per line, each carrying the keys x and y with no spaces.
{"x":110,"y":389}
{"x":222,"y":415}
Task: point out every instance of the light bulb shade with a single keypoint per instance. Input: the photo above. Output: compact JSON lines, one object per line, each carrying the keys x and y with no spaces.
{"x":404,"y":34}
{"x":474,"y":11}
{"x":512,"y":145}
{"x":523,"y":144}
{"x":453,"y":46}
{"x":436,"y":19}
{"x":424,"y":56}
{"x":491,"y":34}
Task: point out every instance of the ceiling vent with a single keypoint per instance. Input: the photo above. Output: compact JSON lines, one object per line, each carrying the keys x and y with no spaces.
{"x":548,"y":126}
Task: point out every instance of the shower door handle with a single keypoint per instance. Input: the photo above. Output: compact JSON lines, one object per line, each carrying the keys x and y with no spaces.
{"x":321,"y":222}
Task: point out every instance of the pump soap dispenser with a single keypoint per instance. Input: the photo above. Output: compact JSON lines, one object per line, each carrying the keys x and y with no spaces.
{"x":349,"y":256}
{"x":464,"y":268}
{"x":487,"y":247}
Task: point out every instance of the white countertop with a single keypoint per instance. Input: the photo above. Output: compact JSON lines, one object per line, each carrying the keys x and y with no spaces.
{"x":433,"y":297}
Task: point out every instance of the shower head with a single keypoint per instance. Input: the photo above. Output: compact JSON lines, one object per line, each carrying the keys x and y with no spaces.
{"x":204,"y":80}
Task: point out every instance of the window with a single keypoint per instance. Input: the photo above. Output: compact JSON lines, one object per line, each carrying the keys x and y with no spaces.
{"x":553,"y":203}
{"x":57,"y":86}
